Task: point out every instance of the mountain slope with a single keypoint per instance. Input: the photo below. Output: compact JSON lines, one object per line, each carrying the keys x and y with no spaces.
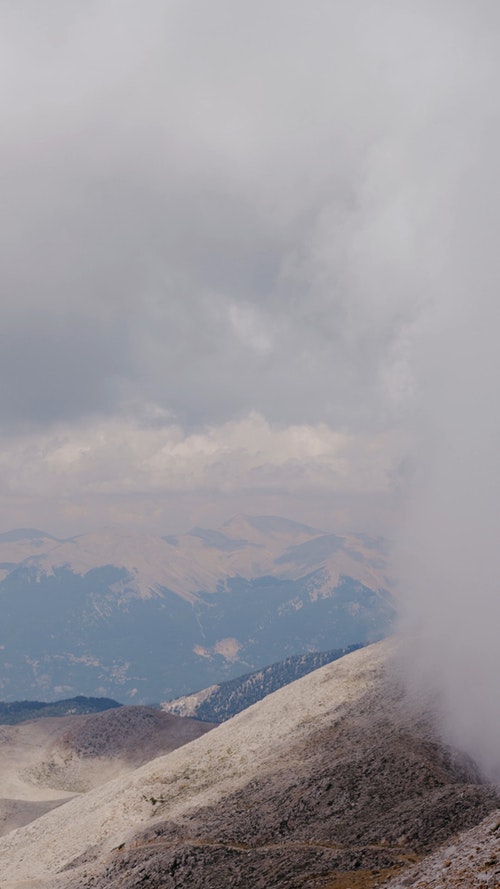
{"x":46,"y":762}
{"x":336,"y":780}
{"x":470,"y":861}
{"x":141,"y":618}
{"x":221,"y":702}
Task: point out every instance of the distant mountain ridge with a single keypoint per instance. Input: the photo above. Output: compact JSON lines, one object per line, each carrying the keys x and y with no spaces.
{"x":26,"y":534}
{"x":142,"y":618}
{"x":22,"y":711}
{"x":198,"y":561}
{"x":218,"y":703}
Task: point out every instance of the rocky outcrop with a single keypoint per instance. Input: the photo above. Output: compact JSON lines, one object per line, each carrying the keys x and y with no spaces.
{"x":355,"y":804}
{"x":338,"y":780}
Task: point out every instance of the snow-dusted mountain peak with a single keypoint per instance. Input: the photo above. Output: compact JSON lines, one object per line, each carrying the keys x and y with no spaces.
{"x":201,"y":559}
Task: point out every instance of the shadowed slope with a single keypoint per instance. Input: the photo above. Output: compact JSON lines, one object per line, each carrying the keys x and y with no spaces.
{"x":134,"y":734}
{"x":469,"y":861}
{"x":45,"y":762}
{"x":337,"y":780}
{"x":353,"y":803}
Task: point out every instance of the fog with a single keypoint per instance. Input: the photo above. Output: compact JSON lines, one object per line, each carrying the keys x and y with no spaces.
{"x":447,"y":548}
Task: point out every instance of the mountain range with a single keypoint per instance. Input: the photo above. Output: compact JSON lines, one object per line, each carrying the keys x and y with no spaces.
{"x":340,"y":779}
{"x":141,"y":618}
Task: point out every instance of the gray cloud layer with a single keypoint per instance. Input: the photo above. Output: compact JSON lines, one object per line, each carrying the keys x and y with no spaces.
{"x":230,"y":213}
{"x":200,"y":206}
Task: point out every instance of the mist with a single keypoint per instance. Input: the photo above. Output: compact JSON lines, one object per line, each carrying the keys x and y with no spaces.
{"x":447,"y":551}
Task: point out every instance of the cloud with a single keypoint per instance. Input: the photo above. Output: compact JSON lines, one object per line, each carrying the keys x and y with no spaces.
{"x":227,"y":212}
{"x":193,"y":209}
{"x":115,"y":459}
{"x":448,"y":546}
{"x":447,"y":555}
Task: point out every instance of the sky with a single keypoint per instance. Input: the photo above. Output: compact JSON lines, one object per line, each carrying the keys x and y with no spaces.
{"x":232,"y":240}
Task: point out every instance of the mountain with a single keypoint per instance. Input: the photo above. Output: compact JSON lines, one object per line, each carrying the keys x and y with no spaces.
{"x":221,"y":702}
{"x":23,"y":711}
{"x":15,"y":546}
{"x":142,"y":618}
{"x":44,"y":763}
{"x":337,"y":780}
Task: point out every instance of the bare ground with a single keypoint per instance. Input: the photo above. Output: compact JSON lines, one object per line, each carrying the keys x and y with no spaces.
{"x":355,"y":804}
{"x":45,"y":762}
{"x":337,"y":782}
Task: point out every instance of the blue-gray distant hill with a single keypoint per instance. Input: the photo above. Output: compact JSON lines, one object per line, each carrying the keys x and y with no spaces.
{"x":141,"y":618}
{"x":23,"y":711}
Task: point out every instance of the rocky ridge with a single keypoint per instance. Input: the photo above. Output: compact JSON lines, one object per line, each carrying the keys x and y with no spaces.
{"x":338,"y":780}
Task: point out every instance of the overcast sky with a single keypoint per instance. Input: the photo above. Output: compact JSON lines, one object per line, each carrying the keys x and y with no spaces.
{"x":227,"y":231}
